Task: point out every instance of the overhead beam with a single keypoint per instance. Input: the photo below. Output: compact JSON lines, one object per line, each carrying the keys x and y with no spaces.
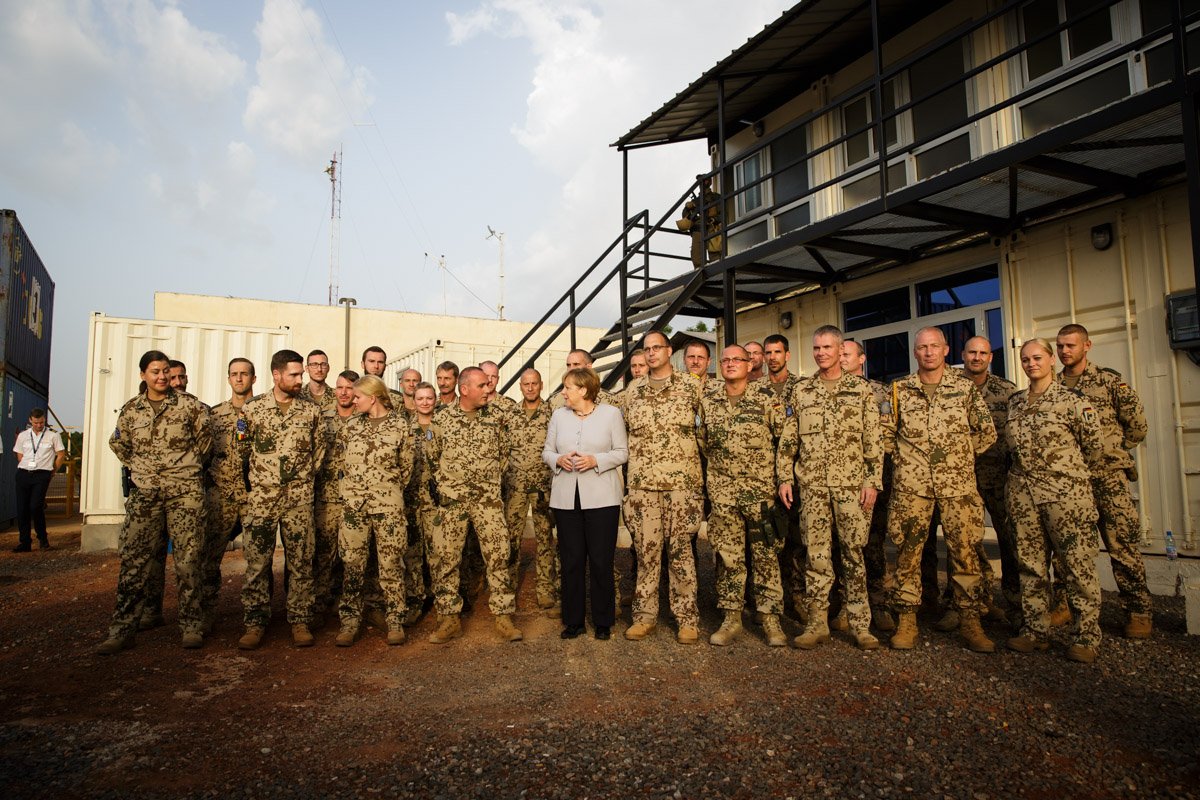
{"x":1081,"y":173}
{"x":958,"y":217}
{"x":862,"y":249}
{"x":822,"y":262}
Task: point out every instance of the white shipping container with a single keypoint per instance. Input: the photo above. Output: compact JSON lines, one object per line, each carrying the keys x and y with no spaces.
{"x":552,"y":363}
{"x":115,"y":345}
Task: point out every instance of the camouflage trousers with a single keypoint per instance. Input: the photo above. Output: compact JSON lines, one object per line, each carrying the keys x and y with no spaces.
{"x":874,"y":557}
{"x":149,"y":516}
{"x":294,"y":523}
{"x":792,"y":558}
{"x":328,"y":569}
{"x":929,"y":569}
{"x":821,"y":508}
{"x":991,"y":489}
{"x":909,"y":516}
{"x":416,"y":566}
{"x":224,"y":511}
{"x":736,"y":534}
{"x":1066,"y":527}
{"x":655,"y":520}
{"x":486,"y":514}
{"x":1119,"y":530}
{"x":386,"y":534}
{"x":518,"y":505}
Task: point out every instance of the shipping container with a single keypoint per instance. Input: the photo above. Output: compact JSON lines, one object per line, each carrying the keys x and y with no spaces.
{"x":18,"y":400}
{"x":28,"y":306}
{"x":115,"y":345}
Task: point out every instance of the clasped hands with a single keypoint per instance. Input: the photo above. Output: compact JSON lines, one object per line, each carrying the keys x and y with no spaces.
{"x":576,"y":462}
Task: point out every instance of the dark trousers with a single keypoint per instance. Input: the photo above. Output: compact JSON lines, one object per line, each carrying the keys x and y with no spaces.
{"x":587,"y":540}
{"x":31,"y":502}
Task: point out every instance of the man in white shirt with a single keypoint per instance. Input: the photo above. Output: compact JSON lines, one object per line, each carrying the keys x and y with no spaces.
{"x":39,"y":455}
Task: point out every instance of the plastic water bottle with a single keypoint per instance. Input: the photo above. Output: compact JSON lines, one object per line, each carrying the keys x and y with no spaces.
{"x":1172,"y":553}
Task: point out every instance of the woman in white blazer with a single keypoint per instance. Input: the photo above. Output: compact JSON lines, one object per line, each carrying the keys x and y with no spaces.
{"x":585,"y":445}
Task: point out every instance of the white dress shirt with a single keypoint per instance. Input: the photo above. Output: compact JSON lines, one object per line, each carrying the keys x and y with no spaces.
{"x":38,"y":450}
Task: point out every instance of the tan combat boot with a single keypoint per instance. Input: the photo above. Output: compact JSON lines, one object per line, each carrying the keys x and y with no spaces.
{"x":302,"y":636}
{"x":971,"y":632}
{"x":688,"y":634}
{"x":949,"y":621}
{"x":815,"y":632}
{"x":193,"y":640}
{"x":729,"y":629}
{"x":376,"y":618}
{"x":395,"y":635}
{"x":1081,"y":654}
{"x":1025,"y":643}
{"x":508,"y":632}
{"x":448,"y":628}
{"x":774,"y":633}
{"x":150,"y":622}
{"x":1140,"y":626}
{"x":639,"y":630}
{"x":864,"y":640}
{"x":347,"y":636}
{"x":882,"y":620}
{"x":114,"y":644}
{"x":1061,"y":615}
{"x":252,"y":638}
{"x":905,"y":637}
{"x":841,"y":622}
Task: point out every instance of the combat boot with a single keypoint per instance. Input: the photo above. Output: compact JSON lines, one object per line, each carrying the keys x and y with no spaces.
{"x":376,"y":618}
{"x":729,"y":629}
{"x":1081,"y":654}
{"x":882,"y":620}
{"x":302,"y":636}
{"x":448,"y":628}
{"x":347,"y":636}
{"x":639,"y":630}
{"x":1026,"y":643}
{"x":949,"y":621}
{"x":864,"y":640}
{"x":1140,"y":626}
{"x":150,"y":622}
{"x":395,"y":635}
{"x":841,"y":622}
{"x":688,"y":634}
{"x":192,"y":640}
{"x":971,"y":632}
{"x":508,"y":632}
{"x":905,"y":637}
{"x":1061,"y":615}
{"x":115,"y":644}
{"x":252,"y":638}
{"x":815,"y":632}
{"x":994,"y":612}
{"x":775,"y":635}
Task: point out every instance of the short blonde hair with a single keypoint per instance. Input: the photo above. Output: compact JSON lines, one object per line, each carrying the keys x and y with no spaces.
{"x":373,"y":386}
{"x":585,"y":378}
{"x":1038,"y":341}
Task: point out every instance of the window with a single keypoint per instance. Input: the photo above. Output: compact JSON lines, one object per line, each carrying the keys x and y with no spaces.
{"x":1088,"y":33}
{"x":1160,"y":59}
{"x":939,"y":113}
{"x":750,"y":198}
{"x":862,"y":190}
{"x":1077,"y":99}
{"x":887,"y":357}
{"x":878,"y":309}
{"x":788,"y":154}
{"x":860,"y":112}
{"x":971,"y":288}
{"x":747,"y":237}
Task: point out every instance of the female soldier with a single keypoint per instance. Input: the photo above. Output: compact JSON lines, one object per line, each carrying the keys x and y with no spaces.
{"x":162,"y":438}
{"x":378,"y":449}
{"x":418,"y":502}
{"x":1053,"y":436}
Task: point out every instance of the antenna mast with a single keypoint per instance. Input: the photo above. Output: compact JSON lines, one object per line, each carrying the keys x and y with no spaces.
{"x":499,"y":237}
{"x":335,"y":222}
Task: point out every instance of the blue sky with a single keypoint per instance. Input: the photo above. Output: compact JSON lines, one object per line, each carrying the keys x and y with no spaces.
{"x":180,"y":146}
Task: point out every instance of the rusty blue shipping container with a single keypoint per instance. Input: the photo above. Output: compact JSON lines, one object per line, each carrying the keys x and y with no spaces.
{"x":27,"y":306}
{"x":16,"y":401}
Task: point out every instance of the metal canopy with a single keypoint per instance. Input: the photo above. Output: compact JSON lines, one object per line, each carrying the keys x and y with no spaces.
{"x":813,"y":39}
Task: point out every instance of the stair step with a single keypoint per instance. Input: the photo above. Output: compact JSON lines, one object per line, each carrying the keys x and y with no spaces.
{"x":614,"y":333}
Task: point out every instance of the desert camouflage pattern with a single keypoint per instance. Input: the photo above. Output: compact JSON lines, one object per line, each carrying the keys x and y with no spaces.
{"x":874,"y":558}
{"x":419,"y":509}
{"x":327,"y":512}
{"x":670,"y":519}
{"x":792,"y":557}
{"x":225,"y":495}
{"x":527,"y":492}
{"x":326,"y":402}
{"x":825,"y":510}
{"x":377,"y":463}
{"x":164,"y":451}
{"x":664,"y":454}
{"x":1119,"y":529}
{"x":991,"y":475}
{"x":1053,"y":440}
{"x":1119,"y":409}
{"x":286,"y":447}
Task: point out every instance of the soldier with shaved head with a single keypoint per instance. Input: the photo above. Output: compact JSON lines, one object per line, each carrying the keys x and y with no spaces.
{"x":527,"y":488}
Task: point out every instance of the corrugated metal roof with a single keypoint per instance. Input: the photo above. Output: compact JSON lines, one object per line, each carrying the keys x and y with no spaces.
{"x":810,"y":40}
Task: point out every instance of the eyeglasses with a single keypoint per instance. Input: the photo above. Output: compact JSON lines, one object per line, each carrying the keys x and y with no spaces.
{"x":318,"y":365}
{"x":654,"y":348}
{"x":733,"y":360}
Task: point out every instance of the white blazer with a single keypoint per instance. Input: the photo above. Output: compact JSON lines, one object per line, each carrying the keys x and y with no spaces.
{"x":601,"y":434}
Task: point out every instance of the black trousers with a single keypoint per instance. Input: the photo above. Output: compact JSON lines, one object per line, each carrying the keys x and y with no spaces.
{"x":587,"y":541}
{"x":31,"y":485}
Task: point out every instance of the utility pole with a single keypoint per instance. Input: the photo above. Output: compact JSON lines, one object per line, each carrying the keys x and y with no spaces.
{"x":335,"y":223}
{"x":499,"y":237}
{"x":347,"y":302}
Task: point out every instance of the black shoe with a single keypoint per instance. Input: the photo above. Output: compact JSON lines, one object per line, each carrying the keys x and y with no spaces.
{"x":571,"y":631}
{"x":44,"y":544}
{"x":604,"y":634}
{"x":22,"y":548}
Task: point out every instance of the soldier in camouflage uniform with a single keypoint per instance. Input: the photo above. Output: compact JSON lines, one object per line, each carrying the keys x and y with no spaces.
{"x":163,"y":438}
{"x":408,"y":388}
{"x":286,"y":446}
{"x":737,"y":435}
{"x":637,"y":363}
{"x":831,"y":448}
{"x":447,"y":383}
{"x":317,"y":390}
{"x":226,"y":490}
{"x":471,"y":448}
{"x":527,"y":486}
{"x":664,"y":505}
{"x":377,"y":457}
{"x":1055,"y":439}
{"x":581,"y":359}
{"x":502,"y":402}
{"x":374,"y":362}
{"x":938,"y":425}
{"x":419,"y":504}
{"x":327,"y":509}
{"x":757,"y":362}
{"x":781,"y":383}
{"x":1122,"y":427}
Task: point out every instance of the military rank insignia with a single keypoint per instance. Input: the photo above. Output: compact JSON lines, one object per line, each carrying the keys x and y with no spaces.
{"x":240,"y":432}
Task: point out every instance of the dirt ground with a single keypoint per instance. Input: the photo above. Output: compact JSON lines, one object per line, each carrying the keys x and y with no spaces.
{"x":553,"y":718}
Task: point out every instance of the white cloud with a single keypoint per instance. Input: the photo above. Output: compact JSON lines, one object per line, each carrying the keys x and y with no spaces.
{"x":306,"y":94}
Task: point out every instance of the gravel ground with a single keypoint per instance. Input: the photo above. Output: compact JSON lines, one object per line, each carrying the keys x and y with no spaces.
{"x":552,"y":719}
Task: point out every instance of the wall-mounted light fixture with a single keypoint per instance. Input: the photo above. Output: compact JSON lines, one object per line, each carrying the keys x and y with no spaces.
{"x":785,"y":320}
{"x":1102,"y":236}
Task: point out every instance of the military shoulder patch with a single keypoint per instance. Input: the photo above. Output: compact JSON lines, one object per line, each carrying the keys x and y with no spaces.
{"x":1089,"y":415}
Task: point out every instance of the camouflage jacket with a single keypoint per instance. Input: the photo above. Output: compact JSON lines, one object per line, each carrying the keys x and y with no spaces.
{"x":377,"y":458}
{"x":164,"y":449}
{"x":935,"y":443}
{"x":527,"y":434}
{"x":227,"y":467}
{"x":831,"y":439}
{"x":286,"y":448}
{"x":995,"y":391}
{"x":737,"y":439}
{"x":1119,"y":409}
{"x":471,"y":452}
{"x":1054,"y":440}
{"x":328,"y":486}
{"x":326,"y":402}
{"x":418,"y":494}
{"x":664,"y":454}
